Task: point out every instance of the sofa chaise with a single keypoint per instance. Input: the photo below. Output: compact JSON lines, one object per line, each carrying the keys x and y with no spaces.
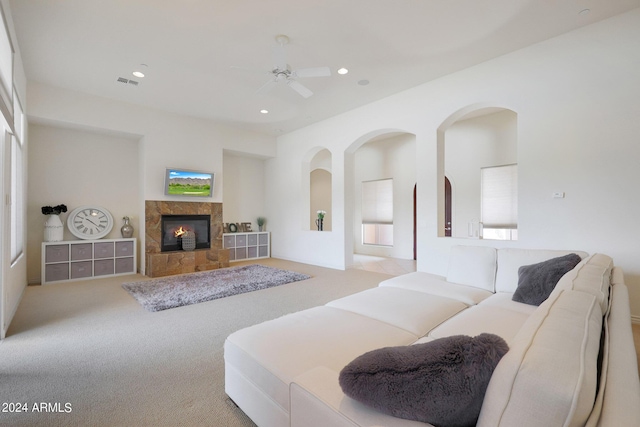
{"x":571,"y":360}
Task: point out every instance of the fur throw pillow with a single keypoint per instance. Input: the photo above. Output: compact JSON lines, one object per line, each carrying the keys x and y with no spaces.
{"x":441,"y":382}
{"x":537,"y":281}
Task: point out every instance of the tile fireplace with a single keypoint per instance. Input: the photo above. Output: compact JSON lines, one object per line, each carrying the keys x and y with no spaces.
{"x":175,"y":260}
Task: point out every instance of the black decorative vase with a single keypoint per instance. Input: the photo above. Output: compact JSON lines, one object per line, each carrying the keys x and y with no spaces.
{"x":319,"y":222}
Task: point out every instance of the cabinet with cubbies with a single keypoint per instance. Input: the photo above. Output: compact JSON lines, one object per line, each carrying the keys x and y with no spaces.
{"x":253,"y":245}
{"x":86,"y":259}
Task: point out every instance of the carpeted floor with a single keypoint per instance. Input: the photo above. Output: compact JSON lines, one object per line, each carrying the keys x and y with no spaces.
{"x":90,"y":345}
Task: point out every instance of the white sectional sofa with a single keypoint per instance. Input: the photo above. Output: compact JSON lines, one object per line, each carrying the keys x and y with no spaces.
{"x":571,"y":360}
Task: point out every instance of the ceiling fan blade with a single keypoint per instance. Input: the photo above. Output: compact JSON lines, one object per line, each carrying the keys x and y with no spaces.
{"x":298,"y":87}
{"x":313,"y":72}
{"x":266,"y":87}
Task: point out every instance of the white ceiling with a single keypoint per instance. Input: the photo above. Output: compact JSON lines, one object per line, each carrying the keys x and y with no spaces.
{"x":190,"y":46}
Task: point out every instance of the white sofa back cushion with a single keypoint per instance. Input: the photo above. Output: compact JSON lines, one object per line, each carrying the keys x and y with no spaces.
{"x":549,"y":376}
{"x":473,"y":266}
{"x":592,"y":275}
{"x":510,"y":260}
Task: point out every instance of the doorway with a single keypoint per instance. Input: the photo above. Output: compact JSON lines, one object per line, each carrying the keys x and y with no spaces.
{"x":447,"y":207}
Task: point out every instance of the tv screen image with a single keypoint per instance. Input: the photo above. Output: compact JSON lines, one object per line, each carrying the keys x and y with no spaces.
{"x":182,"y":182}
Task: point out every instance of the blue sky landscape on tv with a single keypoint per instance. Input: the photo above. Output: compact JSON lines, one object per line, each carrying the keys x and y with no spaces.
{"x":189,"y":183}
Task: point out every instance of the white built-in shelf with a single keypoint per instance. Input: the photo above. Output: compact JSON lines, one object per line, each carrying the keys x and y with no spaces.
{"x":86,"y":259}
{"x":251,"y":245}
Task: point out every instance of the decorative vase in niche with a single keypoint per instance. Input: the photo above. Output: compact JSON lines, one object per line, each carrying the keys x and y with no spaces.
{"x":126,"y":229}
{"x":319,"y":224}
{"x":188,"y":241}
{"x":53,"y":229}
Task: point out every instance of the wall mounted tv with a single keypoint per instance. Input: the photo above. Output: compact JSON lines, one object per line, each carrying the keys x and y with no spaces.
{"x":183,"y":182}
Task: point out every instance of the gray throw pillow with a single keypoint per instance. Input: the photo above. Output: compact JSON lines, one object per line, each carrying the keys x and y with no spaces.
{"x":441,"y":382}
{"x":536,"y":281}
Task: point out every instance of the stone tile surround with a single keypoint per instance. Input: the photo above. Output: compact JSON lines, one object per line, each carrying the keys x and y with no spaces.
{"x":159,"y":263}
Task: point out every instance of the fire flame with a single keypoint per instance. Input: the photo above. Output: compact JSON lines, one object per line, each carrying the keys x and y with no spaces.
{"x":180,"y":231}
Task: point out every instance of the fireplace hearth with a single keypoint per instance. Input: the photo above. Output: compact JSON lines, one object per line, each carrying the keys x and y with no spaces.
{"x":173,"y":227}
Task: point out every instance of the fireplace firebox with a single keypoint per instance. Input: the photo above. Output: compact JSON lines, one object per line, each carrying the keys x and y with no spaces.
{"x":174,"y":225}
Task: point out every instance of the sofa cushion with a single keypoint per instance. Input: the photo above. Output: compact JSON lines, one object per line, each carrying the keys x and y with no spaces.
{"x":483,"y":318}
{"x":537,"y":281}
{"x":272,"y":353}
{"x":504,"y":300}
{"x":473,"y":266}
{"x":318,"y":401}
{"x":510,"y":260}
{"x":415,"y":312}
{"x":592,"y":275}
{"x":441,"y":382}
{"x":549,"y":376}
{"x":437,"y":285}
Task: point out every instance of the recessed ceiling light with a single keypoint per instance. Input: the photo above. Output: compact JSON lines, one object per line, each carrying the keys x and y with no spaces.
{"x":264,"y":111}
{"x":138,"y":74}
{"x":584,"y":12}
{"x":343,"y":71}
{"x":363,"y":82}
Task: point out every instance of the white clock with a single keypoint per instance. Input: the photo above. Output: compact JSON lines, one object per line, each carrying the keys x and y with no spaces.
{"x":90,"y":222}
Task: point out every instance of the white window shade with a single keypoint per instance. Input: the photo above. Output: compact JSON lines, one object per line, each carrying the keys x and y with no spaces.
{"x":377,"y":202}
{"x":500,"y":196}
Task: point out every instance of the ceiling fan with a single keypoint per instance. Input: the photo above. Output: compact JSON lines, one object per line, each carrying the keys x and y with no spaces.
{"x":281,"y":73}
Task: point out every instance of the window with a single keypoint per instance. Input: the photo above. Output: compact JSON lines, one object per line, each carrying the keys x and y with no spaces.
{"x":17,"y":182}
{"x":17,"y":192}
{"x":499,"y":196}
{"x":377,"y":212}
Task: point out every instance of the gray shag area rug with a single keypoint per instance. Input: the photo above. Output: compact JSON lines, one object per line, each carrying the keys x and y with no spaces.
{"x":185,"y":289}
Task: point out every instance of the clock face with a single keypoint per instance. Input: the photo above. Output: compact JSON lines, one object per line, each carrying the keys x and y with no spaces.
{"x":90,"y":222}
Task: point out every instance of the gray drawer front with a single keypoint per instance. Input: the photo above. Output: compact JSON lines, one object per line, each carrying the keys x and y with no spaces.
{"x":57,"y":253}
{"x":263,"y":238}
{"x":81,"y":269}
{"x":124,"y":265}
{"x":102,"y":267}
{"x":252,"y":239}
{"x":263,"y":251}
{"x":124,"y":249}
{"x":229,"y":241}
{"x":55,"y":272}
{"x":103,"y":250}
{"x":241,"y":241}
{"x":241,"y":253}
{"x":252,"y":251}
{"x":81,"y":251}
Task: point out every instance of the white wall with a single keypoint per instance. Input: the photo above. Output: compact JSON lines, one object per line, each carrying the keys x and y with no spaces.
{"x":75,"y":168}
{"x":576,"y":97}
{"x":243,"y":191}
{"x":470,"y":145}
{"x":392,"y":157}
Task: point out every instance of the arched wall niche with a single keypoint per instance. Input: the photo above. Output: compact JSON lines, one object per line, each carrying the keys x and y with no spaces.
{"x":461,"y":156}
{"x":316,"y":187}
{"x":385,"y":139}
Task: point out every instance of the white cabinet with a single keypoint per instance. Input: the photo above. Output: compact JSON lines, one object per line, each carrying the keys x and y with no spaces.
{"x":252,"y":245}
{"x":86,"y":259}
